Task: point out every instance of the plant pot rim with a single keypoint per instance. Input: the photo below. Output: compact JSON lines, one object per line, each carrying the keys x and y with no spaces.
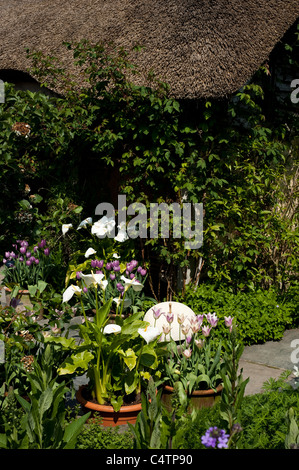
{"x":104,"y":408}
{"x":209,"y":391}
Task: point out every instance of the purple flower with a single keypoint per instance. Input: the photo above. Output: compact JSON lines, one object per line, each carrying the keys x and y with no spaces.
{"x":156,"y":313}
{"x":36,"y":261}
{"x":78,"y":275}
{"x":42,"y":244}
{"x":132,"y":275}
{"x":28,"y":262}
{"x":4,"y":261}
{"x":100,"y":264}
{"x":169,"y":317}
{"x":7,"y":254}
{"x":112,"y":277}
{"x":85,"y":290}
{"x":14,"y":302}
{"x":21,"y":258}
{"x":28,"y":254}
{"x":120,"y":287}
{"x":46,"y":251}
{"x":23,"y":250}
{"x":215,"y":438}
{"x":143,"y":272}
{"x":109,"y":266}
{"x":35,"y":249}
{"x":116,"y":268}
{"x":93,"y":263}
{"x":24,"y":243}
{"x":13,"y":255}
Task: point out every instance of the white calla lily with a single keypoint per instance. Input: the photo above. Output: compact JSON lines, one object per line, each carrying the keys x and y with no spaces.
{"x":87,"y":221}
{"x":137,"y":286}
{"x":149,"y":333}
{"x":89,"y":252}
{"x":65,"y":228}
{"x":69,"y":292}
{"x":122,"y":233}
{"x":119,"y":301}
{"x":111,"y":328}
{"x":92,"y":279}
{"x":103,"y":227}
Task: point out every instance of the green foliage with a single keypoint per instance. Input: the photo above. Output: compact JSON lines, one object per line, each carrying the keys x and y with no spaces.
{"x":138,"y":141}
{"x":95,"y":436}
{"x":233,"y":388}
{"x":43,"y":426}
{"x":261,"y":315}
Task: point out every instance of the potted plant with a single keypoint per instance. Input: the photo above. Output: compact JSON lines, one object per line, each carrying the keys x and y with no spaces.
{"x":26,"y":270}
{"x":193,"y":363}
{"x":118,"y":358}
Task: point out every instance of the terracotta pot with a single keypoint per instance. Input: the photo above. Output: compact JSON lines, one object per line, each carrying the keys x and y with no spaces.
{"x":25,"y":301}
{"x":126,"y":414}
{"x":198,"y":398}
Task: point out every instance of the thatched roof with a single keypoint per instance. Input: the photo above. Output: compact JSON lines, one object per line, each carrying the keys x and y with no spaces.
{"x":202,"y":48}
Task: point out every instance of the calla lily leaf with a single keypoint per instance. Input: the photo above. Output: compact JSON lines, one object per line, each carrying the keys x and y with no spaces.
{"x":76,"y":361}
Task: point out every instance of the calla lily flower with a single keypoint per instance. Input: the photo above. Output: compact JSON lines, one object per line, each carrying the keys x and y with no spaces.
{"x":89,"y":252}
{"x":119,"y":301}
{"x":69,"y":292}
{"x":103,"y":227}
{"x":149,"y":333}
{"x":137,"y":286}
{"x":94,"y":279}
{"x":65,"y":228}
{"x":122,"y":233}
{"x":84,"y":222}
{"x":111,"y":328}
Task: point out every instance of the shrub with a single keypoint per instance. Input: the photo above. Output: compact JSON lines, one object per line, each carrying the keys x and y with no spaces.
{"x":261,"y":315}
{"x":95,"y":436}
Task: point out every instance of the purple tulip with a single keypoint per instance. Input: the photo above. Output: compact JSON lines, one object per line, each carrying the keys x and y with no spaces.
{"x":7,"y":254}
{"x":120,"y":287}
{"x":85,"y":290}
{"x":143,"y":272}
{"x":24,"y":243}
{"x":4,"y":261}
{"x":21,"y":258}
{"x":42,"y":244}
{"x":13,"y":255}
{"x":23,"y":250}
{"x":46,"y":251}
{"x":93,"y":263}
{"x":36,"y":261}
{"x":32,"y":259}
{"x":116,"y":268}
{"x":35,"y":249}
{"x":100,"y":264}
{"x":28,"y":254}
{"x":109,"y":266}
{"x":112,"y":277}
{"x":115,"y":264}
{"x":28,"y":262}
{"x":132,"y":275}
{"x":98,"y":271}
{"x":78,"y":275}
